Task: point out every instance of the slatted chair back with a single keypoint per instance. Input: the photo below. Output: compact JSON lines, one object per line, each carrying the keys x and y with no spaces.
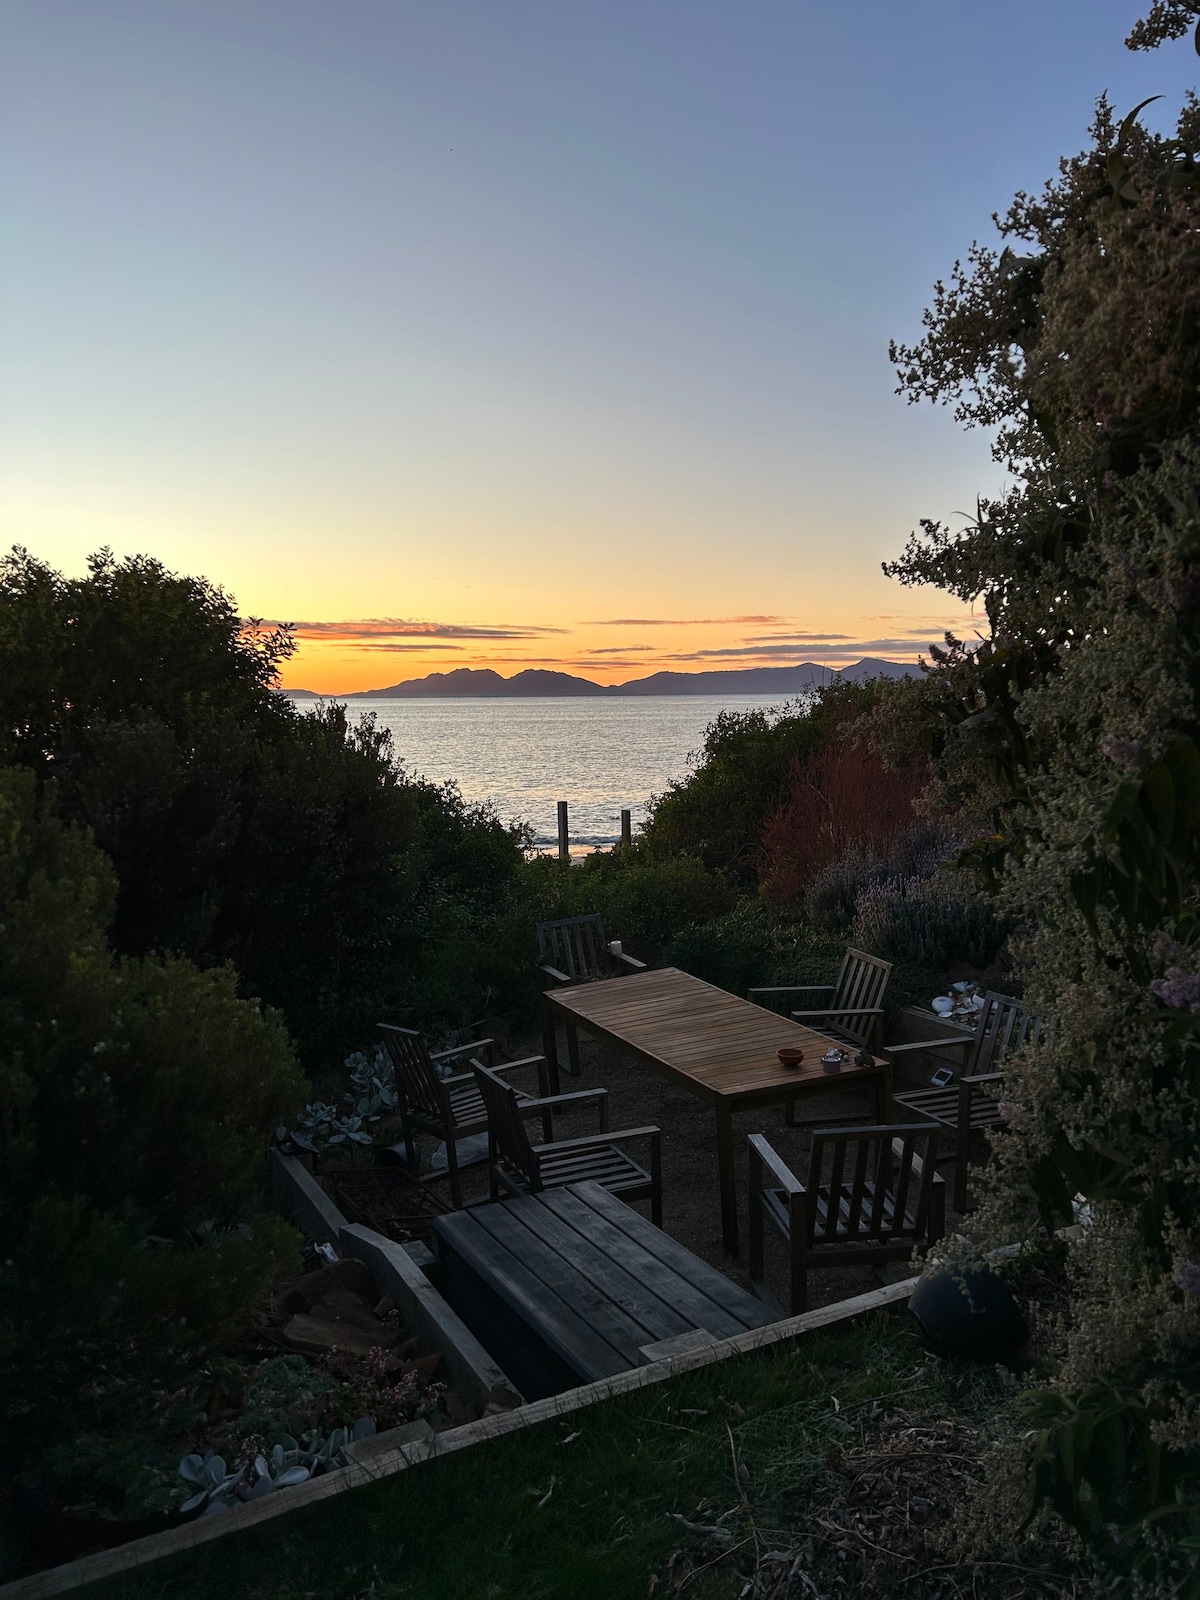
{"x":417,"y":1082}
{"x":1003,"y":1028}
{"x":506,"y":1127}
{"x":860,"y":986}
{"x":577,"y":947}
{"x":861,"y":1184}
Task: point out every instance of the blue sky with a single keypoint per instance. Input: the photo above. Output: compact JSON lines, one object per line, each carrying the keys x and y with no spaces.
{"x":519,"y":315}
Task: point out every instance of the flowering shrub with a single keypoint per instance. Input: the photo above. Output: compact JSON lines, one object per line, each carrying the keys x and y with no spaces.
{"x":1072,"y":732}
{"x":929,"y":922}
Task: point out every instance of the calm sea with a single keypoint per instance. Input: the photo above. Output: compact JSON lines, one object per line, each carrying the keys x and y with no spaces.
{"x":525,"y":755}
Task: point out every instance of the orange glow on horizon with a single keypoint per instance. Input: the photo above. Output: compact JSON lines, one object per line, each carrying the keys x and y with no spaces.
{"x":337,"y":658}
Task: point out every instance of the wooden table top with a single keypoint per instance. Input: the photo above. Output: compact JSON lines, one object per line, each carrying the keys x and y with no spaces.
{"x":594,"y":1280}
{"x":712,"y":1043}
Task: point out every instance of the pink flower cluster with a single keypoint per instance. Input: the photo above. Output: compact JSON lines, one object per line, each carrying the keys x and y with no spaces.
{"x":1120,"y":751}
{"x":1179,"y":989}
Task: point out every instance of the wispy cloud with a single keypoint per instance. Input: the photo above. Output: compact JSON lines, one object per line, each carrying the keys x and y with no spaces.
{"x":619,"y":649}
{"x":850,"y":651}
{"x":679,"y":622}
{"x":405,"y":628}
{"x":800,"y":639}
{"x":392,"y":645}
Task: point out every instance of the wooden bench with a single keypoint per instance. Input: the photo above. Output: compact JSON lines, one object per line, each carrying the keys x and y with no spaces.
{"x":570,"y":1285}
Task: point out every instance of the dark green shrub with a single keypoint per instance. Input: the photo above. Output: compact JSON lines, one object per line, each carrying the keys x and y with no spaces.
{"x":734,"y":951}
{"x":136,"y":1099}
{"x":242,"y":830}
{"x":644,"y":901}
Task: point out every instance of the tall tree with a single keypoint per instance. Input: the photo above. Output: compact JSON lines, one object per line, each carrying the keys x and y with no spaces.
{"x":1073,"y":729}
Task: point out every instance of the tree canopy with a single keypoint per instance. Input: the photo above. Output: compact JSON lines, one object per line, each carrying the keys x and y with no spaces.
{"x":1071,"y":731}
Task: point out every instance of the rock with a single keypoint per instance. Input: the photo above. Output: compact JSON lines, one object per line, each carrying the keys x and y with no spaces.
{"x":317,"y":1335}
{"x":425,"y":1368}
{"x":385,"y":1307}
{"x":305,"y":1292}
{"x":341,"y":1305}
{"x":457,"y":1412}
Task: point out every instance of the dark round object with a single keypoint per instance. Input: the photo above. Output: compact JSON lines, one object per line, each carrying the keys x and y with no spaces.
{"x":968,"y":1315}
{"x":396,"y":1155}
{"x":790,"y":1056}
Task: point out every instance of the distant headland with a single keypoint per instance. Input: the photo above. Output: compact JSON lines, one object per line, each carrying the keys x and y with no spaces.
{"x":484,"y":683}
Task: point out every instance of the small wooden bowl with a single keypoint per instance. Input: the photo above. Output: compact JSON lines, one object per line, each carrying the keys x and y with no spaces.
{"x":790,"y":1056}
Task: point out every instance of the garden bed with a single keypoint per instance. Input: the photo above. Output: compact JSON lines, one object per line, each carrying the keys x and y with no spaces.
{"x":357,"y":1348}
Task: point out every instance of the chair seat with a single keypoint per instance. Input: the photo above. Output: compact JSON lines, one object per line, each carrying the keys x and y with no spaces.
{"x":941,"y":1106}
{"x":466,"y":1103}
{"x":607,"y":1165}
{"x":775,"y":1202}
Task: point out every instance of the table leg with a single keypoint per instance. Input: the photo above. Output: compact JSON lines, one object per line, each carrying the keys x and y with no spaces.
{"x":550,"y":1048}
{"x":883,"y":1094}
{"x":726,"y":1178}
{"x":572,"y":1050}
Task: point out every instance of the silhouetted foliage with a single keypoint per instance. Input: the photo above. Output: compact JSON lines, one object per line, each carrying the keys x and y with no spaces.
{"x":290,"y":844}
{"x":741,"y":775}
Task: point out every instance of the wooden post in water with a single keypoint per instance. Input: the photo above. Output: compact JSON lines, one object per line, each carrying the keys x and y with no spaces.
{"x":626,"y":830}
{"x":564,"y":848}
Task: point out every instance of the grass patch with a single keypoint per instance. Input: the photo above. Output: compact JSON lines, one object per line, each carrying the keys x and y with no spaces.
{"x":590,"y":1506}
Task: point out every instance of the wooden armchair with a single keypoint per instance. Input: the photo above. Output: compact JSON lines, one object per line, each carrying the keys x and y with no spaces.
{"x":524,"y":1168}
{"x":872,"y":1195}
{"x":855,"y":1009}
{"x":450,"y":1108}
{"x":1003,"y":1027}
{"x":575,"y":950}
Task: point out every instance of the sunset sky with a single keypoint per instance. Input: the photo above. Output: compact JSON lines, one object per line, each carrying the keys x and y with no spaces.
{"x":515,"y":332}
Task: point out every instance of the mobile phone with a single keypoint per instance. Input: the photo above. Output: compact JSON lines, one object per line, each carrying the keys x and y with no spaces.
{"x":942,"y":1077}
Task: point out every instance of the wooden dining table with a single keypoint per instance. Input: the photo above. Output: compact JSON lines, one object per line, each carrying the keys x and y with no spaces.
{"x":712,"y":1044}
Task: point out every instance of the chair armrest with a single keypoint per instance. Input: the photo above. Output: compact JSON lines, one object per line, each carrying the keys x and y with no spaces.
{"x":776,"y":1165}
{"x":461,"y":1049}
{"x":796,"y":988}
{"x":984,"y":1077}
{"x":840,"y":1011}
{"x":952,"y":1041}
{"x":508,"y":1066}
{"x":601,"y":1141}
{"x":553,"y":973}
{"x":539,"y":1062}
{"x":581,"y":1097}
{"x":547,"y":1102}
{"x":630,"y":961}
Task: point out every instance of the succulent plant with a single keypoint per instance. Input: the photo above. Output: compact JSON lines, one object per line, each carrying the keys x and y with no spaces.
{"x":214,"y":1486}
{"x":287,"y":1463}
{"x":322,"y":1124}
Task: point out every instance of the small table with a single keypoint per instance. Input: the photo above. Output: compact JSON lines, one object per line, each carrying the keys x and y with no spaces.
{"x":711,"y":1043}
{"x":567,"y":1286}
